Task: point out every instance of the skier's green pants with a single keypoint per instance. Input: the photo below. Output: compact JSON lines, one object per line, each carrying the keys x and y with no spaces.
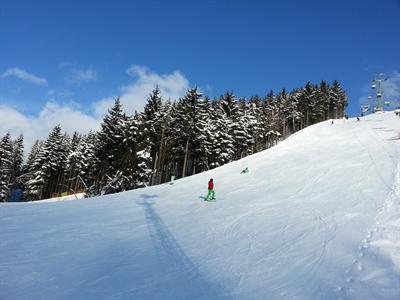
{"x":211,"y":194}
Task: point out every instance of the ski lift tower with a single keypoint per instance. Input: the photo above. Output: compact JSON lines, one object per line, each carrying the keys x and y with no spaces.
{"x":377,"y":86}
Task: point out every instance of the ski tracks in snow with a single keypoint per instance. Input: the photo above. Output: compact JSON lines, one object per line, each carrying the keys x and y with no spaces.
{"x":233,"y":231}
{"x":376,"y":269}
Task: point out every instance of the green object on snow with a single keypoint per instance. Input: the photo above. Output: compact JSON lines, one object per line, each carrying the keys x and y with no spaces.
{"x":210,"y":195}
{"x":246,"y":170}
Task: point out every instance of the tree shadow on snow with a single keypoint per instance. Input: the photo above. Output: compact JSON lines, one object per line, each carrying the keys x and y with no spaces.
{"x":179,"y":277}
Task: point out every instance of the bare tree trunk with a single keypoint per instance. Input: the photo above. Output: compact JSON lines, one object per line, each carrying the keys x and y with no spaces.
{"x":76,"y":185}
{"x":185,"y":160}
{"x":159,"y":163}
{"x":154,"y":174}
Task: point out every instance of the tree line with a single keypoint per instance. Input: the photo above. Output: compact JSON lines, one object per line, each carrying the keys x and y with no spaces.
{"x":169,"y":138}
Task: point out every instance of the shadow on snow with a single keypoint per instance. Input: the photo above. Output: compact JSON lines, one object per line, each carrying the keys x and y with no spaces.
{"x":181,"y":278}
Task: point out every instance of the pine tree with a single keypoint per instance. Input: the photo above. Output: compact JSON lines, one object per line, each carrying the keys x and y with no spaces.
{"x":237,"y":123}
{"x":130,"y":147}
{"x":163,"y":164}
{"x":33,"y":155}
{"x":152,"y":119}
{"x":243,"y":125}
{"x":143,"y":170}
{"x":307,"y":103}
{"x":85,"y":162}
{"x":323,"y":97}
{"x":338,"y":100}
{"x":47,"y":168}
{"x":17,"y":159}
{"x":222,"y":143}
{"x":154,"y":130}
{"x":201,"y":145}
{"x":255,"y":108}
{"x":6,"y":166}
{"x":111,"y":143}
{"x":188,"y":132}
{"x":293,"y":113}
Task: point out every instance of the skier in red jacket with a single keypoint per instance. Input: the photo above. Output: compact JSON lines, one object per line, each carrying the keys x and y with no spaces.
{"x":211,"y":193}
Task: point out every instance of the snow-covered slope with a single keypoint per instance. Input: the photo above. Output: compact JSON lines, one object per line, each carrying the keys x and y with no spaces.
{"x":317,"y":217}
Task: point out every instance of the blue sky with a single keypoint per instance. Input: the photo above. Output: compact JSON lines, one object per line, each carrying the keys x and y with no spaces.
{"x":61,"y":58}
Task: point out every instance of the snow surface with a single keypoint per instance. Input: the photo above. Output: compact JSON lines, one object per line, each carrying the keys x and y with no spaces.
{"x":317,"y":217}
{"x":63,"y":198}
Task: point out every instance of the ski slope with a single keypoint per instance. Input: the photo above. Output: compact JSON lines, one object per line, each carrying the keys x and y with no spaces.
{"x":317,"y":217}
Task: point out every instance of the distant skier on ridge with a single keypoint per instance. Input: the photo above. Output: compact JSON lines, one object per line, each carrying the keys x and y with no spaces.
{"x":211,"y":193}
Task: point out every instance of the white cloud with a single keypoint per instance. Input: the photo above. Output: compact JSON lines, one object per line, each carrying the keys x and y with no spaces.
{"x":38,"y":127}
{"x":24,"y":75}
{"x":84,"y":75}
{"x":71,"y":118}
{"x":134,"y":96}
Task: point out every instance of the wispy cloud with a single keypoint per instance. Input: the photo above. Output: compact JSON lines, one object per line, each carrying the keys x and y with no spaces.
{"x":84,"y":75}
{"x":76,"y":73}
{"x":24,"y":75}
{"x":134,"y":96}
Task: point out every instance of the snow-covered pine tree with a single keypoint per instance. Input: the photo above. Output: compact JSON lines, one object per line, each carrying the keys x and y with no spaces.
{"x":130,"y":147}
{"x":289,"y":111}
{"x":47,"y":168}
{"x":153,"y":131}
{"x":221,"y":148}
{"x":272,"y":121}
{"x":266,"y":121}
{"x":245,"y":123}
{"x":188,"y":133}
{"x":293,"y":112}
{"x":255,"y":109}
{"x":76,"y":138}
{"x":272,"y":112}
{"x":307,"y":103}
{"x":142,"y":172}
{"x":163,"y":162}
{"x":167,"y":161}
{"x":201,"y":144}
{"x":6,"y":166}
{"x":152,"y":122}
{"x":323,"y":100}
{"x":84,"y":162}
{"x":75,"y":159}
{"x":17,"y":159}
{"x":33,"y":154}
{"x":280,"y":109}
{"x":338,"y":99}
{"x":230,"y":106}
{"x":179,"y":135}
{"x":111,"y":144}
